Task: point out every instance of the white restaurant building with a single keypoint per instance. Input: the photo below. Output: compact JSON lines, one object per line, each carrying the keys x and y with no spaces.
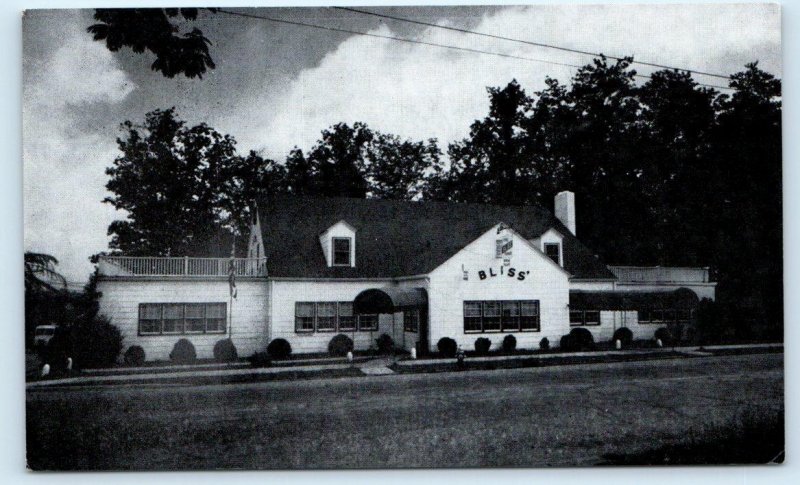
{"x":418,"y":271}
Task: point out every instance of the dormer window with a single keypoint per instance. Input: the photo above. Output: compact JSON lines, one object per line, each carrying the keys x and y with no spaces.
{"x":553,"y":251}
{"x":341,"y":251}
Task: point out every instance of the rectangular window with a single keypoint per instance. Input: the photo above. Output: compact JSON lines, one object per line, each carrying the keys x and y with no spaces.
{"x":510,"y":316}
{"x":491,"y":316}
{"x":149,"y":319}
{"x":411,"y":320}
{"x":684,"y":316}
{"x":304,"y":317}
{"x":669,"y":316}
{"x":182,"y":318}
{"x":553,"y":251}
{"x":195,"y":318}
{"x":326,"y":317}
{"x":341,"y":251}
{"x":644,"y":316}
{"x":501,"y":316}
{"x":529,"y":316}
{"x":472,"y":317}
{"x":582,"y":318}
{"x":216,"y":317}
{"x":173,"y":318}
{"x":347,"y":322}
{"x":368,"y":322}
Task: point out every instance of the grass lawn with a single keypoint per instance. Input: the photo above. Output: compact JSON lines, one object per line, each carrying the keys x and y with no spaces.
{"x":555,"y":416}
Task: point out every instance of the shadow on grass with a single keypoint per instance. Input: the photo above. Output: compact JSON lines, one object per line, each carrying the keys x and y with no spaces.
{"x":755,"y":436}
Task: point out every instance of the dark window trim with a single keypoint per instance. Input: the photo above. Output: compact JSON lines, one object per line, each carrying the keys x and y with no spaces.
{"x":583,"y":322}
{"x":663,"y":320}
{"x":407,"y":322}
{"x":337,"y":325}
{"x":183,"y":331}
{"x":349,"y":251}
{"x":537,"y":317}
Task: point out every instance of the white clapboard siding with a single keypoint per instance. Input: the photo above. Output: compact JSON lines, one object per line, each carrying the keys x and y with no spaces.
{"x":121,"y":298}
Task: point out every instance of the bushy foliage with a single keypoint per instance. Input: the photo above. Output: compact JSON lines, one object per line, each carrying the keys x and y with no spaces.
{"x":447,"y":347}
{"x":183,"y":352}
{"x":134,"y":356}
{"x":260,"y":359}
{"x":482,"y":345}
{"x":509,"y":343}
{"x":624,"y":335}
{"x":340,"y":345}
{"x":57,"y":350}
{"x":95,"y":343}
{"x":544,"y":344}
{"x":385,"y":344}
{"x":578,"y":339}
{"x":225,"y":351}
{"x":664,"y":335}
{"x":279,"y":349}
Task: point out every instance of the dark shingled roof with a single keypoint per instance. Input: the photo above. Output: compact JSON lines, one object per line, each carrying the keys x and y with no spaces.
{"x":398,"y":238}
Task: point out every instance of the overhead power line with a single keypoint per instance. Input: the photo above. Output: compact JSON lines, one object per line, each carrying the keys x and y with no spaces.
{"x":421,"y":42}
{"x":521,"y":41}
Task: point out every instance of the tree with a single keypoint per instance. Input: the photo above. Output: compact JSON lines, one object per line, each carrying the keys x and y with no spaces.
{"x":156,"y":30}
{"x":355,"y":161}
{"x":179,"y":184}
{"x":46,"y":293}
{"x":494,"y":164}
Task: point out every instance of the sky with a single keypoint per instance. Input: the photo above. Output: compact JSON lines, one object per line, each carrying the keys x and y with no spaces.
{"x":277,"y":86}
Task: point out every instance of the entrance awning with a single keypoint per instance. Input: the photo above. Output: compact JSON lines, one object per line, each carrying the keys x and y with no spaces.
{"x":389,"y":300}
{"x":680,"y":299}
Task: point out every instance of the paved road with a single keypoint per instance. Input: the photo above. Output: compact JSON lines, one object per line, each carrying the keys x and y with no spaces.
{"x":552,"y":416}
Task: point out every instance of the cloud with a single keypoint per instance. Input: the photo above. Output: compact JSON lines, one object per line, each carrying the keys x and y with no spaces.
{"x":63,"y":179}
{"x":420,"y":91}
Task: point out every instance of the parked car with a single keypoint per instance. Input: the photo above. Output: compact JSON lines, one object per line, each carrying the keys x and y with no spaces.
{"x":43,"y":334}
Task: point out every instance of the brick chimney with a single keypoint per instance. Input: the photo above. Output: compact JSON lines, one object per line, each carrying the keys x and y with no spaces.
{"x":565,"y":209}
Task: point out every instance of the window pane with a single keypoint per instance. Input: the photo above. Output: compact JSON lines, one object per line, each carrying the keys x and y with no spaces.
{"x":410,"y":320}
{"x":529,"y":308}
{"x":684,"y":316}
{"x":304,"y":317}
{"x":215,"y":325}
{"x":326,"y":317}
{"x":150,"y":311}
{"x":491,"y":316}
{"x":644,"y":316}
{"x":216,"y":310}
{"x":341,"y":251}
{"x":657,"y":315}
{"x":173,"y":318}
{"x":552,"y":252}
{"x":346,"y":319}
{"x":195,"y":310}
{"x":576,"y":317}
{"x":472,"y":309}
{"x":592,"y":317}
{"x":368,"y":322}
{"x":149,"y":326}
{"x":669,"y":315}
{"x":510,"y":315}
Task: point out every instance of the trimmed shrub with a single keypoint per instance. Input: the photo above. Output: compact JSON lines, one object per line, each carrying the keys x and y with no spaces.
{"x":134,"y":356}
{"x":279,"y":349}
{"x":447,"y":347}
{"x":624,"y":335}
{"x":482,"y":345}
{"x":225,"y":351}
{"x":664,"y":335}
{"x":183,"y":352}
{"x":260,"y":359}
{"x":509,"y":343}
{"x":340,"y":345}
{"x":578,"y":339}
{"x":544,"y":344}
{"x":385,"y":344}
{"x":96,"y":343}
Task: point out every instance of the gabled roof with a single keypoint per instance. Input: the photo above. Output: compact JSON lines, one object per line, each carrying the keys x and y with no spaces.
{"x":398,"y":238}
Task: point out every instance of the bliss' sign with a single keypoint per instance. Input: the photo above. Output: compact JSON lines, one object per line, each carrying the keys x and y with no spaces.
{"x":510,"y":272}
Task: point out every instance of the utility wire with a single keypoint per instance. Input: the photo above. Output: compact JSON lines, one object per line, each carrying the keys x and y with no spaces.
{"x":537,"y":44}
{"x":421,"y":42}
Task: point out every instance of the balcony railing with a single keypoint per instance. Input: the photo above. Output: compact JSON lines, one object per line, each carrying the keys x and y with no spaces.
{"x":660,"y":274}
{"x":181,"y":266}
